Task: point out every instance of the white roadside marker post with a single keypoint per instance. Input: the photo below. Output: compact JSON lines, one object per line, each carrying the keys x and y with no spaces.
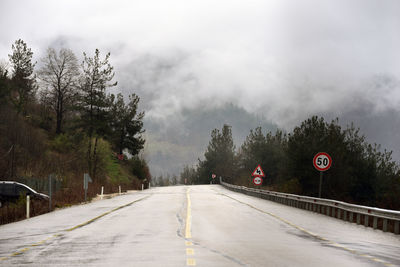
{"x":28,"y":200}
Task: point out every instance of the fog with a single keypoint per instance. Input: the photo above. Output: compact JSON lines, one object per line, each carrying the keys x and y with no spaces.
{"x":268,"y":63}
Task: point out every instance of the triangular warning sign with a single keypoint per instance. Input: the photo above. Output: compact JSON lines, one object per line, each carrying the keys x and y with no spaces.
{"x":258,"y":172}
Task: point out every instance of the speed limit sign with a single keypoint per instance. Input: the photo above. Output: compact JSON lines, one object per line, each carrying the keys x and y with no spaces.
{"x":257,"y":180}
{"x":322,"y":161}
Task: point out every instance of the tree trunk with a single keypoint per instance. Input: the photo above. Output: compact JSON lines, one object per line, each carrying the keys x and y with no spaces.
{"x":89,"y":154}
{"x":121,"y":142}
{"x":95,"y":158}
{"x":12,"y":167}
{"x":90,"y":134}
{"x":59,"y":119}
{"x":59,"y":114}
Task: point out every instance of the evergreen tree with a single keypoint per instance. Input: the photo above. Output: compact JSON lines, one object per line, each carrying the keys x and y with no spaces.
{"x":96,"y":78}
{"x":219,"y":157}
{"x":267,"y":150}
{"x":23,"y":81}
{"x":126,"y":124}
{"x":4,"y":84}
{"x":312,"y":136}
{"x":188,"y":175}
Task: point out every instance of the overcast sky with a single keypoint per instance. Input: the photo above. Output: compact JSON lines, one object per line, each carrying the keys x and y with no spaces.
{"x":283,"y":59}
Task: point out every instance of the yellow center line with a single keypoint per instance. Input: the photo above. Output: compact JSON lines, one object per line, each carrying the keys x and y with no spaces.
{"x":189,"y":251}
{"x":313,"y":234}
{"x":191,"y":262}
{"x":188,"y":231}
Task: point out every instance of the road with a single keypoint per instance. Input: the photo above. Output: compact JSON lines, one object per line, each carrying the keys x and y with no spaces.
{"x":192,"y":226}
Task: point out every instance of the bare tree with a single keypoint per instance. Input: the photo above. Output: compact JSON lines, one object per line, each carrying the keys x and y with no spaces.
{"x":60,"y":74}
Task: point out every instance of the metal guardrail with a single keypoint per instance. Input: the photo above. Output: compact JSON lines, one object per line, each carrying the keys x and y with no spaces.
{"x":385,"y":220}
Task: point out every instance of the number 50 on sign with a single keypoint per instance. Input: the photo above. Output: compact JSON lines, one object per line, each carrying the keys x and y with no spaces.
{"x":322,"y":161}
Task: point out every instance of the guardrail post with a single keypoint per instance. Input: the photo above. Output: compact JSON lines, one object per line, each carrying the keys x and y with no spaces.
{"x":384,"y":228}
{"x":351,"y":217}
{"x":339,"y":213}
{"x":396,"y":227}
{"x":375,"y":224}
{"x":358,"y":218}
{"x":366,"y":219}
{"x":328,"y":210}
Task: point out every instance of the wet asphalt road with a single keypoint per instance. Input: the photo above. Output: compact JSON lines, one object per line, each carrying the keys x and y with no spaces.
{"x":192,"y":226}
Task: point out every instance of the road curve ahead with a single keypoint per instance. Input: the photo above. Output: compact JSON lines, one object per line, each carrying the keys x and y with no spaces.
{"x":192,"y":226}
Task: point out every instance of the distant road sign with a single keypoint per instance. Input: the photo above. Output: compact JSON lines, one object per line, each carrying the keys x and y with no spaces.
{"x":257,"y":180}
{"x":322,"y":161}
{"x":258,"y":172}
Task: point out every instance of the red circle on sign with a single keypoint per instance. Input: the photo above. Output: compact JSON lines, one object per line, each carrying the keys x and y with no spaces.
{"x":257,"y":180}
{"x":322,"y":161}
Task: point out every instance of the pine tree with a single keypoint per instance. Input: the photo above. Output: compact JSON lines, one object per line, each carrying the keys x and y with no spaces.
{"x":4,"y":84}
{"x":219,"y":157}
{"x":23,"y":80}
{"x":96,"y":78}
{"x":126,"y":124}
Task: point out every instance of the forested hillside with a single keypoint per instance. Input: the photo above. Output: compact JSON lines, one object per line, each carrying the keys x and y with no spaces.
{"x":59,"y":119}
{"x":361,"y":173}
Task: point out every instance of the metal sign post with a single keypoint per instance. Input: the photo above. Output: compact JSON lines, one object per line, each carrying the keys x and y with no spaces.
{"x":320,"y":184}
{"x":86,"y":181}
{"x":322,"y":162}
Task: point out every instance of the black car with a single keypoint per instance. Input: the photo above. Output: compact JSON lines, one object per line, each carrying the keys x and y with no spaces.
{"x":11,"y":191}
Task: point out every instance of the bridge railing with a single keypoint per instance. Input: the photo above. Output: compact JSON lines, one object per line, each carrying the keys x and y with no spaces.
{"x":385,"y":220}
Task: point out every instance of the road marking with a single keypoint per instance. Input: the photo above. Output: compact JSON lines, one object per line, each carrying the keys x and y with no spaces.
{"x":191,"y":262}
{"x":189,"y":251}
{"x":312,"y":234}
{"x":188,"y":231}
{"x":104,"y":214}
{"x":19,"y":252}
